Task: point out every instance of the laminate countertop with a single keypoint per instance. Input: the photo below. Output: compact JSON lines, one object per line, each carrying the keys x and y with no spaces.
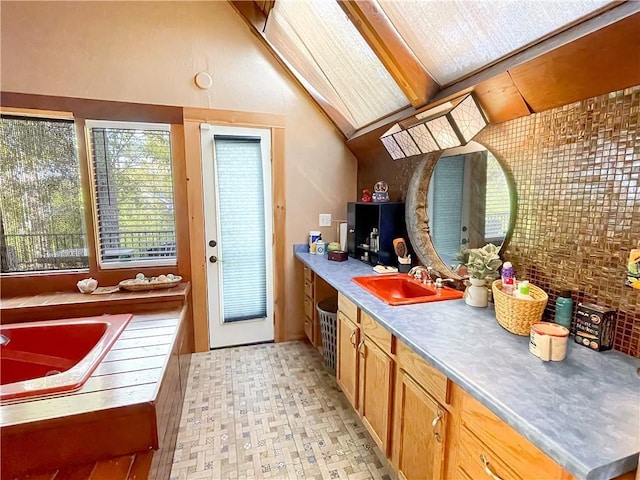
{"x":583,"y":412}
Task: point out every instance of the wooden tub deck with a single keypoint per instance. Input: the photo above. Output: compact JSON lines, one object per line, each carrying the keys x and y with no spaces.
{"x":125,"y":417}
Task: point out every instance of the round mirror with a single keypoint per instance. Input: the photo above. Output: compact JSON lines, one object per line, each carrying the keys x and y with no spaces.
{"x":463,"y":199}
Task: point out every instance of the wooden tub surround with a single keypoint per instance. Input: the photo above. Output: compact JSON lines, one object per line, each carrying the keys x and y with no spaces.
{"x":123,"y":422}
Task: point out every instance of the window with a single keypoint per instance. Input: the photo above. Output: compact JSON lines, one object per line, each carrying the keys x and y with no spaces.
{"x":41,"y":209}
{"x":454,"y":38}
{"x":323,"y":47}
{"x":133,"y":191}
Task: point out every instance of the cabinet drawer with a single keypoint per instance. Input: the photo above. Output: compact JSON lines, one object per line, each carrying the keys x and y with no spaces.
{"x":478,"y":462}
{"x":308,"y":307}
{"x":308,"y":274}
{"x":376,"y":332}
{"x":349,"y":308}
{"x":431,"y":379}
{"x":308,"y":288}
{"x":308,"y":328}
{"x":516,"y":451}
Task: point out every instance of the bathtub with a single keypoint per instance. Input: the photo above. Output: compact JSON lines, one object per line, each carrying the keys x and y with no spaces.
{"x":54,"y":356}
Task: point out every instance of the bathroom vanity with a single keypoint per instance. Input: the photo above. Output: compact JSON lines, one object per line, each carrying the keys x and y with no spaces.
{"x":447,"y":393}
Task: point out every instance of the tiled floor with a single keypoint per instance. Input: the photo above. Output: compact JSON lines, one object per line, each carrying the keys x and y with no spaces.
{"x":270,"y":411}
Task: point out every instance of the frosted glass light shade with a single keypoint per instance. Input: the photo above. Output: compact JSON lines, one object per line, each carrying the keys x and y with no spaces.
{"x":392,"y":147}
{"x":443,"y":132}
{"x":449,"y":125}
{"x":407,"y":144}
{"x":423,"y":138}
{"x":468,"y":118}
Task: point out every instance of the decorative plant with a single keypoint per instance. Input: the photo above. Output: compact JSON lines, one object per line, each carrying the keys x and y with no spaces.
{"x":481,"y":263}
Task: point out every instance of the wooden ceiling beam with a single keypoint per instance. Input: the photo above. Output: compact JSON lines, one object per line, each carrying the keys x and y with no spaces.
{"x":407,"y":71}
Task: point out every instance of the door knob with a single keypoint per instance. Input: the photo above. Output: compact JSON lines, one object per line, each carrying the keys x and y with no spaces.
{"x":213,"y":259}
{"x":212,"y":243}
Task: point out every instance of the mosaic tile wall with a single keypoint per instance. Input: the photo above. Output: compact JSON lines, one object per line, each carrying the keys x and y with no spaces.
{"x":576,"y":171}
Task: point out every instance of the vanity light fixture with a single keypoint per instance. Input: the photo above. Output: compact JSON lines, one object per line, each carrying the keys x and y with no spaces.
{"x":451,"y":124}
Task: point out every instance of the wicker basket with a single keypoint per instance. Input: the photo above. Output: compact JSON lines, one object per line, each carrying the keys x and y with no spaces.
{"x":517,"y":315}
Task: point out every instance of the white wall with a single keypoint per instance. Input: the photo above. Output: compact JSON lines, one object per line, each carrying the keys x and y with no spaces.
{"x":149,"y":52}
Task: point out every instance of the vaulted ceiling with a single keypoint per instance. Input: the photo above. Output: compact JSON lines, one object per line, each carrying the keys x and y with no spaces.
{"x":369,"y":64}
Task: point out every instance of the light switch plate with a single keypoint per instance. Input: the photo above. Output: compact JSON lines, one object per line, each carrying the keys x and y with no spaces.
{"x":324,"y":220}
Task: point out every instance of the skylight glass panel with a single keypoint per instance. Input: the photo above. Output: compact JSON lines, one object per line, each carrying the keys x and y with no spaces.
{"x":323,"y":47}
{"x":453,"y":38}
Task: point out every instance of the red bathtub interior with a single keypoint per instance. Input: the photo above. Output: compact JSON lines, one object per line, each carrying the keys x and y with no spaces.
{"x":54,"y":356}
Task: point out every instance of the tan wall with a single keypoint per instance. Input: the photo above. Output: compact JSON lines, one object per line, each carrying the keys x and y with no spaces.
{"x":149,"y":52}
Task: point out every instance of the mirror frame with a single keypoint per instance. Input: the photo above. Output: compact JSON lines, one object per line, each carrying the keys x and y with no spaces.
{"x":417,"y":218}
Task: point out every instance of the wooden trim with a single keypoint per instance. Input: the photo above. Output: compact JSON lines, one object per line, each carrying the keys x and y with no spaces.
{"x":90,"y":200}
{"x":251,"y":12}
{"x":602,"y":62}
{"x":180,"y":201}
{"x":30,"y":112}
{"x":232,"y":117}
{"x":94,"y":109}
{"x":374,"y":26}
{"x":195,"y":206}
{"x":193,"y":117}
{"x":279,"y":231}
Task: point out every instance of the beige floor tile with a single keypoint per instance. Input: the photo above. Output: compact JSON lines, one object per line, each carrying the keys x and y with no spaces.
{"x":270,"y":411}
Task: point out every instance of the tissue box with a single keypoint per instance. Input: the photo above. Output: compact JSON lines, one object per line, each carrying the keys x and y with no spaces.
{"x":338,"y":256}
{"x":594,"y":326}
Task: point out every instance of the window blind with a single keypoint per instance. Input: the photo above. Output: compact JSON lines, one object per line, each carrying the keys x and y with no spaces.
{"x":133,"y":193}
{"x":41,"y":210}
{"x":241,"y":220}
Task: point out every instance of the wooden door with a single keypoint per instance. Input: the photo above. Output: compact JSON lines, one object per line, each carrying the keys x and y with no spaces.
{"x":376,"y":391}
{"x":420,"y":432}
{"x":347,"y":368}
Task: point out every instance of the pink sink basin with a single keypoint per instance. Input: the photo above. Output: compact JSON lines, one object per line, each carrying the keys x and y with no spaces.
{"x":401,"y":289}
{"x":42,"y":358}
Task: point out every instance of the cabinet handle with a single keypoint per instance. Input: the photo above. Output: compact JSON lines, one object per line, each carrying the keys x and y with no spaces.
{"x":434,"y":424}
{"x":352,"y":339}
{"x":487,"y":468}
{"x":359,"y":348}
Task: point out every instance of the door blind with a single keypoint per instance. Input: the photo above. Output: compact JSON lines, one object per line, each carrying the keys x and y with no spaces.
{"x":241,"y":219}
{"x":133,"y":194}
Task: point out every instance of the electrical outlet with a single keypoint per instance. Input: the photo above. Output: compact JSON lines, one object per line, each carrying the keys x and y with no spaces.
{"x":324,"y":220}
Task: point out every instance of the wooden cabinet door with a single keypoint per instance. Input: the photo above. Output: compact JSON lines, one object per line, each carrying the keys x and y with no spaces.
{"x":376,"y":375}
{"x":347,"y":368}
{"x":420,"y":425}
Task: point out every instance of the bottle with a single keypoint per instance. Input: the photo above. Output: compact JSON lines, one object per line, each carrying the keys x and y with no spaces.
{"x":564,"y":309}
{"x":524,"y":291}
{"x":508,"y":278}
{"x":314,"y":236}
{"x":373,"y":240}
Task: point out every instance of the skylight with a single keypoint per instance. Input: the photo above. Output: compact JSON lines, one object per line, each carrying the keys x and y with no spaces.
{"x":324,"y":48}
{"x":453,"y":38}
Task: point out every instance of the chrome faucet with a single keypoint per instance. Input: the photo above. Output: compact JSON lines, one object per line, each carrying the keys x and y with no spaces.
{"x":440,"y":281}
{"x":423,"y":274}
{"x":4,"y":340}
